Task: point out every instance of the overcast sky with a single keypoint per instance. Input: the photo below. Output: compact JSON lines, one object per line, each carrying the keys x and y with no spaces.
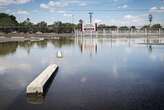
{"x":112,"y":12}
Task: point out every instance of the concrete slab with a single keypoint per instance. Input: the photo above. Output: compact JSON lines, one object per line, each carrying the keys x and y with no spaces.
{"x":37,"y":85}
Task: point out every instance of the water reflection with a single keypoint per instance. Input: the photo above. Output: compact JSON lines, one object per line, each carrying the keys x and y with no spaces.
{"x":123,"y":73}
{"x":62,"y":42}
{"x":42,"y":44}
{"x":59,"y":54}
{"x":88,"y":46}
{"x":8,"y":48}
{"x":11,"y":47}
{"x":32,"y":99}
{"x":150,"y":48}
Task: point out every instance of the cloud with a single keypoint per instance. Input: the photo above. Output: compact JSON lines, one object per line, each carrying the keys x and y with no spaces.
{"x":67,"y":15}
{"x":123,"y":6}
{"x":2,"y":7}
{"x":12,"y":66}
{"x":97,"y":21}
{"x":83,"y":80}
{"x":115,"y":71}
{"x":115,"y":0}
{"x":157,"y":9}
{"x":130,"y":17}
{"x":153,"y":57}
{"x":83,"y":4}
{"x":129,"y":20}
{"x":22,"y":1}
{"x":2,"y":70}
{"x":134,"y":20}
{"x":53,"y":6}
{"x":62,"y":12}
{"x":9,"y":2}
{"x":22,"y":12}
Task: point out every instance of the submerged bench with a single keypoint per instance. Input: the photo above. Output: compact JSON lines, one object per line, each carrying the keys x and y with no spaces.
{"x":37,"y":85}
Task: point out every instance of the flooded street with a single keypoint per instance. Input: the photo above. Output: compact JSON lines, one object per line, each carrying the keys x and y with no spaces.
{"x":93,"y":74}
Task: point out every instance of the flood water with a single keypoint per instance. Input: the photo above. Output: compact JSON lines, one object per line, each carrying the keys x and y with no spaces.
{"x":94,"y":74}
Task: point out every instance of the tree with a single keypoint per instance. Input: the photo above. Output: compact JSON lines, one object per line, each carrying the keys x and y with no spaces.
{"x":156,"y":26}
{"x":102,"y":26}
{"x":133,"y":28}
{"x":123,"y":28}
{"x":7,"y":20}
{"x":59,"y":27}
{"x":26,"y":22}
{"x":113,"y":28}
{"x":145,"y":27}
{"x":26,"y":26}
{"x":56,"y":26}
{"x":42,"y":27}
{"x":8,"y":23}
{"x":68,"y":27}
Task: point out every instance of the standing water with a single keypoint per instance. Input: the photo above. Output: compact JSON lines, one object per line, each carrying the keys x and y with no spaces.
{"x":94,"y":74}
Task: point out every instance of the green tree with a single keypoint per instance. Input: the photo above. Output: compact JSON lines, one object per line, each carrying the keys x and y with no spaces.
{"x":123,"y":28}
{"x":42,"y":27}
{"x":133,"y":28}
{"x":26,"y":26}
{"x":156,"y":26}
{"x":113,"y":28}
{"x":102,"y":26}
{"x":7,"y":20}
{"x":56,"y":26}
{"x":145,"y":27}
{"x":8,"y":23}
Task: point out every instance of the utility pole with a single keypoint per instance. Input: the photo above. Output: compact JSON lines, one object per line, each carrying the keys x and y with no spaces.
{"x":150,"y":19}
{"x":90,"y":15}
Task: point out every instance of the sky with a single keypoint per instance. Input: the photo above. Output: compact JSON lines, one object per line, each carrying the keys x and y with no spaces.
{"x":110,"y":12}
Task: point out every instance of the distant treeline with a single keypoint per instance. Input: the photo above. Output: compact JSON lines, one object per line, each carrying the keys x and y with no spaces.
{"x":133,"y":28}
{"x":8,"y":23}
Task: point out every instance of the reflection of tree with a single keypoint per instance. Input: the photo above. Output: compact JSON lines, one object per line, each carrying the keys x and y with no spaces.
{"x":27,"y":45}
{"x":42,"y":44}
{"x":62,"y":42}
{"x":8,"y":48}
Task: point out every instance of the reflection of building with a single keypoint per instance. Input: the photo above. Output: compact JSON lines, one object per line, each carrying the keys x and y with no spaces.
{"x":88,"y":46}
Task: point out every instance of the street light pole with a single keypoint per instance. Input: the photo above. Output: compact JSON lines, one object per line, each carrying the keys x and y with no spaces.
{"x":150,"y":19}
{"x":90,"y":15}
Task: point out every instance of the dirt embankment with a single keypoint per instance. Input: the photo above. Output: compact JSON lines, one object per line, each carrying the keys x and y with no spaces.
{"x":13,"y":37}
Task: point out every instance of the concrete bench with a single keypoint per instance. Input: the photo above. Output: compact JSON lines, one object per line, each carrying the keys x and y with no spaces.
{"x":37,"y":85}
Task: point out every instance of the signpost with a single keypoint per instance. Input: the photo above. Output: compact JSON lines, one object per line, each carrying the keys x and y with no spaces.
{"x":89,"y":28}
